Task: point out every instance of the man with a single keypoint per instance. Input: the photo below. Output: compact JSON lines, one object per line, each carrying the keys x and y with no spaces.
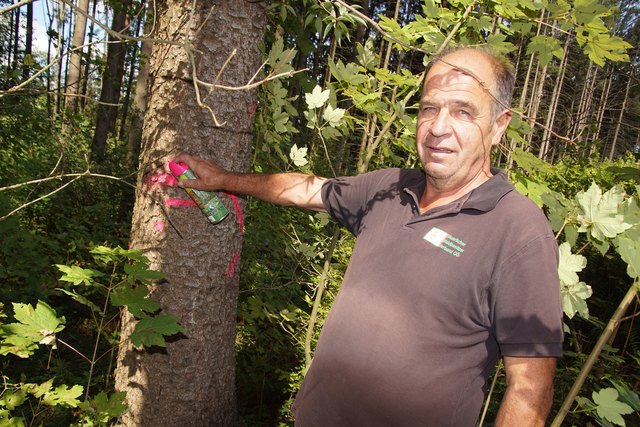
{"x":451,"y":269}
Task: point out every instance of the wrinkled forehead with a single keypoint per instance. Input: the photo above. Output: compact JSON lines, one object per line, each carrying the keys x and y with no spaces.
{"x":472,"y":70}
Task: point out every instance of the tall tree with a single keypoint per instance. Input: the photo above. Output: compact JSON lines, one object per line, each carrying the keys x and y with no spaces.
{"x":111,"y":79}
{"x":193,"y":381}
{"x":75,"y":64}
{"x":28,"y":42}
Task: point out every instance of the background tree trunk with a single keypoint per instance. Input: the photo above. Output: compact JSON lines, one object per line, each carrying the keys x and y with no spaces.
{"x":111,"y":81}
{"x":192,"y":381}
{"x":28,"y":41}
{"x":73,"y":76}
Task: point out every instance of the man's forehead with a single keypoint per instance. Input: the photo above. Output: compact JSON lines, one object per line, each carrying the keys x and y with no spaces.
{"x":457,"y":69}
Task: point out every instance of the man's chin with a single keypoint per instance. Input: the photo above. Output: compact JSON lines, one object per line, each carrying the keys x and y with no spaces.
{"x":438,"y":173}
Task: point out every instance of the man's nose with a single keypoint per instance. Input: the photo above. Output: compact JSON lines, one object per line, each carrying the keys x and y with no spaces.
{"x":441,"y":124}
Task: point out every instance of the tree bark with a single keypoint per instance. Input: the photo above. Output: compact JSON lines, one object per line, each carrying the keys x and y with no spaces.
{"x":192,"y":381}
{"x":111,"y":82}
{"x":73,"y":76}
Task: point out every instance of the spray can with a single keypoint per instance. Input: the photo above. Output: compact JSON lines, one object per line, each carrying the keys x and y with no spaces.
{"x":207,"y":201}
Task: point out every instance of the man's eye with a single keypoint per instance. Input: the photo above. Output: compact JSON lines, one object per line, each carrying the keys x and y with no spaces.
{"x":428,"y":111}
{"x":464,"y":114}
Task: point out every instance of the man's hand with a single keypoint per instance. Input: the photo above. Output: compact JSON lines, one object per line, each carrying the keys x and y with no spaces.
{"x":211,"y":177}
{"x":529,"y":394}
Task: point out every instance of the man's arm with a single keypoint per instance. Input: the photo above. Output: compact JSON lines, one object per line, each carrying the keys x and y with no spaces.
{"x":286,"y":189}
{"x":529,"y":394}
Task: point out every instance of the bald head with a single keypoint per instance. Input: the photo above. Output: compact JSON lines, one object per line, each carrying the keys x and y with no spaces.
{"x":492,"y":73}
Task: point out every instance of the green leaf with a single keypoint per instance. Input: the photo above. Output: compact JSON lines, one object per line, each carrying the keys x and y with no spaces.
{"x":627,"y":395}
{"x":498,"y":42}
{"x":11,"y":399}
{"x":570,"y":264}
{"x":6,"y":420}
{"x":609,"y":408}
{"x":136,"y":299}
{"x":546,"y":47}
{"x":81,"y":299}
{"x":37,"y":325}
{"x":298,"y":155}
{"x":117,"y":254}
{"x":77,"y":275}
{"x":38,"y":390}
{"x":140,"y":271}
{"x":531,"y":189}
{"x":279,"y":58}
{"x":625,"y":173}
{"x":600,"y":212}
{"x":574,"y":293}
{"x":530,"y":163}
{"x":150,"y":331}
{"x":63,"y":396}
{"x":333,"y":116}
{"x":574,"y":298}
{"x":108,"y":406}
{"x":629,"y":250}
{"x":317,"y":97}
{"x":17,"y":345}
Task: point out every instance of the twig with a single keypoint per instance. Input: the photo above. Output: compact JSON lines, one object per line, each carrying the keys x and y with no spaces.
{"x":39,"y":198}
{"x":68,"y":175}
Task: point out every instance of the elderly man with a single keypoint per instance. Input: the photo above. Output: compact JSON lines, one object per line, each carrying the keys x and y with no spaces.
{"x":452,"y":268}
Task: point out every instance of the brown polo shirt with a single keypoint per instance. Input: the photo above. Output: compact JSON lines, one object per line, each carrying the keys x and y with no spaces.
{"x":429,"y":302}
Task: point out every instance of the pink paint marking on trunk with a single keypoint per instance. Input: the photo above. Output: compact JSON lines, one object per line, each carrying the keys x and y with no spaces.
{"x":236,"y":206}
{"x":161,"y":179}
{"x":233,"y":265}
{"x":179,"y":202}
{"x":159,"y":225}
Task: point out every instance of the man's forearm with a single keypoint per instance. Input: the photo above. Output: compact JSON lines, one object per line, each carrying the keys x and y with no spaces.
{"x":524,"y":409}
{"x":285,"y":189}
{"x":529,"y":394}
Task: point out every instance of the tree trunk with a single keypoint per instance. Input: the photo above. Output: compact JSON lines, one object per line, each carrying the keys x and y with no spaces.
{"x":73,"y":76}
{"x":555,"y":97}
{"x":140,"y":95}
{"x":192,"y":381}
{"x":16,"y":39}
{"x":28,"y":41}
{"x":87,"y":65}
{"x":612,"y":152}
{"x":111,"y":82}
{"x":133,"y":58}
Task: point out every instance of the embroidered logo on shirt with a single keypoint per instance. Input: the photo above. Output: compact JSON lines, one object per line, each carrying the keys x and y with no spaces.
{"x":445,"y":241}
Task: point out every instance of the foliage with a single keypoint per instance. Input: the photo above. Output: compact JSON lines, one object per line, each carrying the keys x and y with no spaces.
{"x":122,"y":279}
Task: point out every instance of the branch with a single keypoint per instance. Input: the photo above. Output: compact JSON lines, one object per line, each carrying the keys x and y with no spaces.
{"x":15,"y":6}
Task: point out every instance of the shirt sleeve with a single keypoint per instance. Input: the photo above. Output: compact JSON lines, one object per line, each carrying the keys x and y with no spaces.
{"x":346,"y":199}
{"x":528,"y":305}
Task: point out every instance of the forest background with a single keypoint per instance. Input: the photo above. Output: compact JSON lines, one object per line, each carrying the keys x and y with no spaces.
{"x":105,"y":266}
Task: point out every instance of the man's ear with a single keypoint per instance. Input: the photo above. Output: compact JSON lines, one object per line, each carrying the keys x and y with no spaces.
{"x":500,"y":125}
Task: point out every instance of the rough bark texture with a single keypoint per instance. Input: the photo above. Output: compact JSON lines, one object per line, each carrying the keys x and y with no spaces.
{"x":192,"y":382}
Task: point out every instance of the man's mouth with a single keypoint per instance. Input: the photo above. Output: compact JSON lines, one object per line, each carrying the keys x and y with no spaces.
{"x":440,"y":150}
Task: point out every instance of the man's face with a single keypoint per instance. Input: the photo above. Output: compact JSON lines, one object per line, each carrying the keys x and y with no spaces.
{"x":455,"y":130}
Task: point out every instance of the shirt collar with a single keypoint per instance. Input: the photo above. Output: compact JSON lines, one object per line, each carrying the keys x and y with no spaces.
{"x":483,"y":198}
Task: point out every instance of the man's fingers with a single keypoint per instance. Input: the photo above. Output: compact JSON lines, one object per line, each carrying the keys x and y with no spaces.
{"x":188,"y":183}
{"x":183,"y":158}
